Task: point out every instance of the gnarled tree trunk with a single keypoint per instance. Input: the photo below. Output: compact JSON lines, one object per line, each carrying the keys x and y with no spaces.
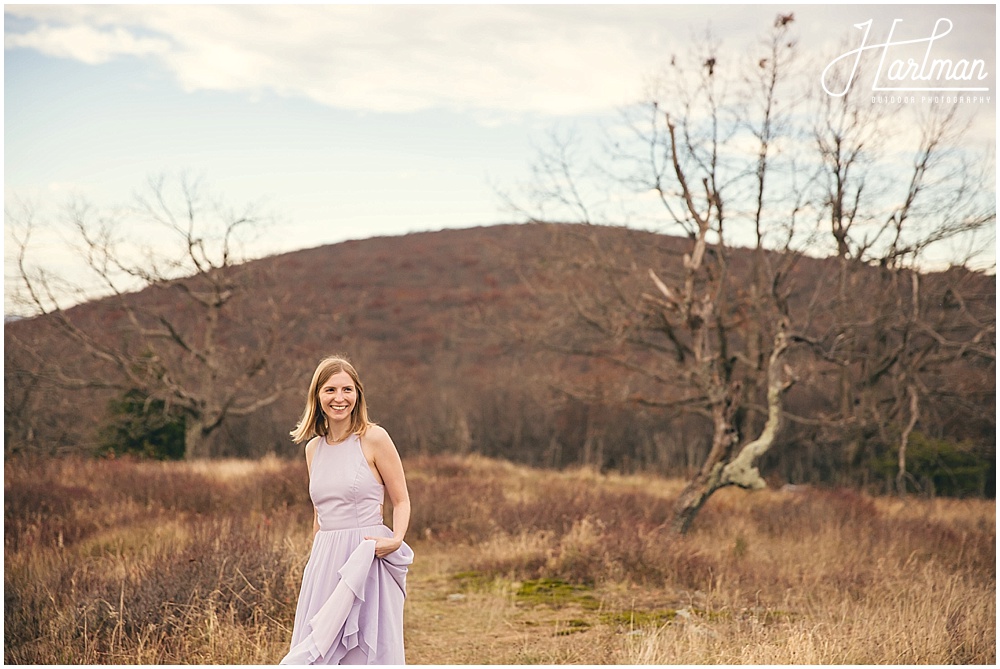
{"x":722,"y":468}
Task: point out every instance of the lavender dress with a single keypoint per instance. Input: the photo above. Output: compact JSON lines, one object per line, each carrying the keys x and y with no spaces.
{"x":350,"y":608}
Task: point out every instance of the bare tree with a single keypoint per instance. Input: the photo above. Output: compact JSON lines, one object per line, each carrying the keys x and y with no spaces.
{"x":885,"y":214}
{"x":195,"y":337}
{"x":732,"y":160}
{"x":707,"y":304}
{"x":708,"y":340}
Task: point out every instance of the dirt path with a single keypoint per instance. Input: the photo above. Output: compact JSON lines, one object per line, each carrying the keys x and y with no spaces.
{"x":452,"y":621}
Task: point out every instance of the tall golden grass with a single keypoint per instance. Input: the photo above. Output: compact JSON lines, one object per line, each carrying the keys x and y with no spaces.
{"x":122,"y":561}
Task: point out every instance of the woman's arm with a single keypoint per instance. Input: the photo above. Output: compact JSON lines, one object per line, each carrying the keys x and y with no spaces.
{"x":310,"y":452}
{"x":390,"y":468}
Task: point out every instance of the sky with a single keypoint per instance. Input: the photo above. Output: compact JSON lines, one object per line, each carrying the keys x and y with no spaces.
{"x":354,"y":121}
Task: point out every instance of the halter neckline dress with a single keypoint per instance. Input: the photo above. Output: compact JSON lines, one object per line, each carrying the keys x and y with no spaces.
{"x":350,"y":608}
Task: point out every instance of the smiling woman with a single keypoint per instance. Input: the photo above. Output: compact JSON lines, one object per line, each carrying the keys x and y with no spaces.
{"x":350,"y":608}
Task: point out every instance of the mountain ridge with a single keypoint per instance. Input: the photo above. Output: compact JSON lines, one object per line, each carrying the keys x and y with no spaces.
{"x":442,"y":320}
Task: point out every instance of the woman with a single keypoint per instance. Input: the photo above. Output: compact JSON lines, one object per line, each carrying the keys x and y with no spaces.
{"x":350,"y":608}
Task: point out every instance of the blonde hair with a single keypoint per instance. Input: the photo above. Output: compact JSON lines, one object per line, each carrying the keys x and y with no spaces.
{"x":313,"y":422}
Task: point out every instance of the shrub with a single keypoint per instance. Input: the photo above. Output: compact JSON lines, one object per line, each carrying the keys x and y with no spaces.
{"x":942,"y":467}
{"x":141,"y":425}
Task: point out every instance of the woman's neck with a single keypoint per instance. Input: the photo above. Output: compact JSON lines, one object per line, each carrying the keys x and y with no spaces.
{"x":338,"y":432}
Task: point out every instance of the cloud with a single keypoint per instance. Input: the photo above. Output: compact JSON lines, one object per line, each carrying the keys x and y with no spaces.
{"x":508,"y":59}
{"x":484,"y":59}
{"x":86,"y":43}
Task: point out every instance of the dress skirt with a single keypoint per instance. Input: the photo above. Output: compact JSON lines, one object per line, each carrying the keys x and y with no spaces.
{"x":350,"y":608}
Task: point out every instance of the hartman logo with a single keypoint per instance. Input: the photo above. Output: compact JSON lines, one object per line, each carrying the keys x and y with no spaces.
{"x":907,"y":65}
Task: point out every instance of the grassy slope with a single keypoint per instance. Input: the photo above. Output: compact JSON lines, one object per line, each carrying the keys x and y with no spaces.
{"x":120,"y":562}
{"x":448,"y":309}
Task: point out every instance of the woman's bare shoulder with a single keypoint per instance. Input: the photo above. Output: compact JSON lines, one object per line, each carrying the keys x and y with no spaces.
{"x":310,"y":448}
{"x":377,"y":436}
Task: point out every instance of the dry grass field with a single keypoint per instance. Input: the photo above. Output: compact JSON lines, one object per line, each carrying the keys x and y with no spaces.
{"x":120,"y":561}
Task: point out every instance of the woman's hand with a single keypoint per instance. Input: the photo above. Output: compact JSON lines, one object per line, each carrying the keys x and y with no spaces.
{"x":385,"y":545}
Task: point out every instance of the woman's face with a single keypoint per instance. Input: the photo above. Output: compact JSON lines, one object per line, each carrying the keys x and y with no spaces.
{"x":337,"y":397}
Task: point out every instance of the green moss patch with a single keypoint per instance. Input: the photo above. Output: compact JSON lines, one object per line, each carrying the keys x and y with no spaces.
{"x":557,"y":593}
{"x":639,"y":618}
{"x":573,"y":626}
{"x":472,"y":581}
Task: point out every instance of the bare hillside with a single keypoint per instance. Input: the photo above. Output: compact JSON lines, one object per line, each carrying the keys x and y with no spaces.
{"x":472,"y":340}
